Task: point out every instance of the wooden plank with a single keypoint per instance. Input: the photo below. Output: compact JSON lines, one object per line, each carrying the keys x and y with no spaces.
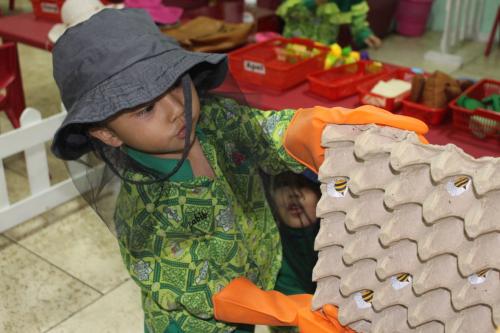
{"x":36,"y":158}
{"x":4,"y":197}
{"x":23,"y":138}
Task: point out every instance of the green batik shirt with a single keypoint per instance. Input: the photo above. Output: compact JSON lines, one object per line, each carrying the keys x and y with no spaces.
{"x":303,"y":18}
{"x":184,"y":240}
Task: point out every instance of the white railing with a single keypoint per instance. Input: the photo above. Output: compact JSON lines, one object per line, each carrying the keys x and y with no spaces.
{"x":31,"y":138}
{"x":462,"y":22}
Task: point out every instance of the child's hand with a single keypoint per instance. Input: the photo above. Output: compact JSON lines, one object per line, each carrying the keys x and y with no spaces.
{"x":243,"y":302}
{"x":303,"y":136}
{"x":373,"y":41}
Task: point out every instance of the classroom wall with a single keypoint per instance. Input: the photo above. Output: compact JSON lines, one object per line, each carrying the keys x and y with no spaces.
{"x":438,"y":14}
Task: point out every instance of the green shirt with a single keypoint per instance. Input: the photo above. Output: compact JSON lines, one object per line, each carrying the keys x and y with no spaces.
{"x":299,"y":259}
{"x":185,"y":240}
{"x":303,"y":18}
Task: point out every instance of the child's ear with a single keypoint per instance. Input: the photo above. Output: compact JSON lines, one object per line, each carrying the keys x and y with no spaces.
{"x":106,"y":135}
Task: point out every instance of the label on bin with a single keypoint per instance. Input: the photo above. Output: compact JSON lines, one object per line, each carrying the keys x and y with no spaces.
{"x":254,"y":67}
{"x":49,"y":8}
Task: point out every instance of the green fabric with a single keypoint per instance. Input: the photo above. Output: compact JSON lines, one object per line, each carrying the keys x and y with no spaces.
{"x":288,"y":280}
{"x":174,"y":328}
{"x":310,"y":4}
{"x":321,"y":23}
{"x":360,"y":27}
{"x":186,"y":240}
{"x":299,"y":258}
{"x":162,"y":165}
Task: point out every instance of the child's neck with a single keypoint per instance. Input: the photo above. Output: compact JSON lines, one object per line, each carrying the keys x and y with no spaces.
{"x":199,"y":162}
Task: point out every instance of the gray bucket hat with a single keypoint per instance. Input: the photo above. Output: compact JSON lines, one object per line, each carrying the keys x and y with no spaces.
{"x":118,"y":60}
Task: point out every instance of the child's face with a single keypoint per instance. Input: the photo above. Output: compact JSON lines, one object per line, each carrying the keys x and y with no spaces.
{"x":296,"y":207}
{"x":158,"y":128}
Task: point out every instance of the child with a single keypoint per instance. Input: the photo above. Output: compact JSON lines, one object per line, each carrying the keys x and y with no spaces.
{"x":320,"y":20}
{"x":191,"y":214}
{"x":293,"y":199}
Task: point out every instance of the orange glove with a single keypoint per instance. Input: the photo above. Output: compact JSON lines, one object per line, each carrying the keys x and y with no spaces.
{"x":303,"y":136}
{"x":243,"y":302}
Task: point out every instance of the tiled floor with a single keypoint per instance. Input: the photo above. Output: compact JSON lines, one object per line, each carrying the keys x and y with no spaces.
{"x":61,"y":271}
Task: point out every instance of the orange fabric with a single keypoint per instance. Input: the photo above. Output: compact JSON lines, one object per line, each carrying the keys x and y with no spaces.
{"x":244,"y":303}
{"x":303,"y":136}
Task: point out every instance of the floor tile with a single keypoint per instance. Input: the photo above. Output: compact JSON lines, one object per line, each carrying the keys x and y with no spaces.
{"x":16,"y":163}
{"x":482,"y":67}
{"x":36,"y":295}
{"x":17,"y":186}
{"x":5,"y":124}
{"x":32,"y":226}
{"x":68,"y":208}
{"x":407,"y":51}
{"x":81,"y":245}
{"x":118,"y":311}
{"x":39,"y":85}
{"x":4,"y":242}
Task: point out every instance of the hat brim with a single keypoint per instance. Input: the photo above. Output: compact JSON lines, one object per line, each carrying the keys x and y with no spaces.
{"x":138,"y":84}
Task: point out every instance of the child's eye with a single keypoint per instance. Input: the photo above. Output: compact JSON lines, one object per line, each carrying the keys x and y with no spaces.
{"x":144,"y":111}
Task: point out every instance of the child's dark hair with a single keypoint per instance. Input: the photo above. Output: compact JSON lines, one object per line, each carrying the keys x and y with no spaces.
{"x":294,"y":181}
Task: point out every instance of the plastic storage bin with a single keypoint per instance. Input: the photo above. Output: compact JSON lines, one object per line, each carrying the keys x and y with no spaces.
{"x":47,"y":9}
{"x":388,"y":103}
{"x":481,"y":123}
{"x":412,"y":16}
{"x":259,"y":65}
{"x":340,"y":82}
{"x":431,"y":116}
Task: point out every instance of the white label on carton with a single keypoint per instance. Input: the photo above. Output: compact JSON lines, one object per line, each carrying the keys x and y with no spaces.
{"x":400,"y":281}
{"x":254,"y":67}
{"x":337,"y":188}
{"x":458,"y":185}
{"x":50,"y":8}
{"x":360,"y":302}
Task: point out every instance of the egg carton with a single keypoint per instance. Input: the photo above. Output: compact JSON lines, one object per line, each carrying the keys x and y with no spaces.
{"x":409,"y":233}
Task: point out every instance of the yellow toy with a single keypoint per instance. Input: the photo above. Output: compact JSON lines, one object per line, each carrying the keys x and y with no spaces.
{"x":340,"y":56}
{"x":293,"y":52}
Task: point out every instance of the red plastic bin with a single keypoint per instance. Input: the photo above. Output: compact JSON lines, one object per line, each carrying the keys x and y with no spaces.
{"x":47,"y":9}
{"x":470,"y":120}
{"x":388,"y":103}
{"x":339,"y":82}
{"x":431,"y":116}
{"x":258,"y":64}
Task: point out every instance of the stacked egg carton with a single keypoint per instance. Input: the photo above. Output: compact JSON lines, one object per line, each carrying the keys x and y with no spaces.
{"x":410,"y":233}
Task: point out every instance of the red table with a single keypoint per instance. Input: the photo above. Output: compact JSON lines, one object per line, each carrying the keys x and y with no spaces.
{"x":24,"y":28}
{"x":300,"y":97}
